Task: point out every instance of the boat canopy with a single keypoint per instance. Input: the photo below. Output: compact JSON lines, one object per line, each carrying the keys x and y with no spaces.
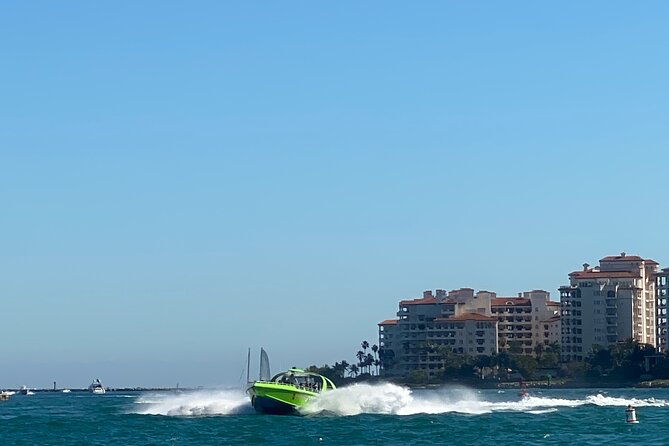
{"x":301,"y":378}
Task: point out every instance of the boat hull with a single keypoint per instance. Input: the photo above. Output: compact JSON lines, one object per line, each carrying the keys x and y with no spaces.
{"x":278,"y":399}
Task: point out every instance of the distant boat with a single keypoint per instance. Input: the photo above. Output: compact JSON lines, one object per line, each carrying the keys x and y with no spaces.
{"x":96,"y":387}
{"x":287,"y":391}
{"x":66,"y":390}
{"x":25,"y":391}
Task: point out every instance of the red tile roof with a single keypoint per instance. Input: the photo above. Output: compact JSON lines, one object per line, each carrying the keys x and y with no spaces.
{"x":603,"y":274}
{"x":624,"y":258}
{"x":502,"y":301}
{"x":466,"y":317}
{"x":552,"y":319}
{"x":421,"y":301}
{"x":388,"y":322}
{"x":627,"y":258}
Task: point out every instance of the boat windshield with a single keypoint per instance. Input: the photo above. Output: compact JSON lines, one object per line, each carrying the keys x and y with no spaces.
{"x":305,"y":381}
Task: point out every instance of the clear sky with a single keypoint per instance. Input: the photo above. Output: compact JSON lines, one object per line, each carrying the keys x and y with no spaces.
{"x":180,"y":181}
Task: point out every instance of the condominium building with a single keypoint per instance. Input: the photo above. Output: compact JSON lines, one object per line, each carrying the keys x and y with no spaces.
{"x":662,"y":294}
{"x":527,"y":323}
{"x":463,"y":322}
{"x":609,"y":303}
{"x":427,"y":326}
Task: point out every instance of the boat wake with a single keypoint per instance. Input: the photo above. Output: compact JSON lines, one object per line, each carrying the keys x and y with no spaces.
{"x":601,"y":400}
{"x":396,"y":400}
{"x":384,"y":398}
{"x":198,"y":403}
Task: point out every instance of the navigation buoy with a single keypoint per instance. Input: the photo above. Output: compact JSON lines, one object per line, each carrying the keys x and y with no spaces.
{"x":630,"y":414}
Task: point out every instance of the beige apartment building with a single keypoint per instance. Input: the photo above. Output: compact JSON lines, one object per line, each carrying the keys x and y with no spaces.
{"x":463,"y":322}
{"x":609,"y":303}
{"x":528,"y":322}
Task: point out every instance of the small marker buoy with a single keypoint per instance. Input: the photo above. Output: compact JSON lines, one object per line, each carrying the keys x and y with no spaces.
{"x":630,"y":414}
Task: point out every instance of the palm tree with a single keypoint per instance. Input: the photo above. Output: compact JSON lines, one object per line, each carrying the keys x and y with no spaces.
{"x":365,"y":346}
{"x":375,"y":349}
{"x":339,"y":369}
{"x":369,"y":360}
{"x":353,"y":370}
{"x":360,"y":355}
{"x":344,"y":365}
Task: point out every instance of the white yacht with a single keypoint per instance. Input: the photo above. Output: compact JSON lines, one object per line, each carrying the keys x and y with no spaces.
{"x":25,"y":391}
{"x":96,"y":387}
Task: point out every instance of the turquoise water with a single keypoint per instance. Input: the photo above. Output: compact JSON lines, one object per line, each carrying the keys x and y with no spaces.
{"x":357,"y":415}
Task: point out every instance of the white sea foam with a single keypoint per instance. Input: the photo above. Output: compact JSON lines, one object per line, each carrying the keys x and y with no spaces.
{"x":392,"y":399}
{"x":396,"y":400}
{"x":601,"y":400}
{"x":541,"y":411}
{"x":199,"y":403}
{"x":383,"y":398}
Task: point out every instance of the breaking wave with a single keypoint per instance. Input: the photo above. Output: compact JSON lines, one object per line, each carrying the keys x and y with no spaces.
{"x":198,"y":403}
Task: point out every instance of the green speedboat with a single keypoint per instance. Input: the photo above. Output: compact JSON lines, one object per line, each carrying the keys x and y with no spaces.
{"x":286,"y":392}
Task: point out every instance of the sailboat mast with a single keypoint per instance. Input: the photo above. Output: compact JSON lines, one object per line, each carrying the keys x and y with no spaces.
{"x":248,"y":365}
{"x":260,"y":367}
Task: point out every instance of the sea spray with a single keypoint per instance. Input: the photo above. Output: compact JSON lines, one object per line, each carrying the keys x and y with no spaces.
{"x":198,"y":403}
{"x":391,"y":399}
{"x":601,"y":400}
{"x":360,"y":398}
{"x":383,"y":398}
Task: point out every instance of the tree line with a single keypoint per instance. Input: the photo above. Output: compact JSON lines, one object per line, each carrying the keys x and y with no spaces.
{"x":368,"y":365}
{"x":626,"y":361}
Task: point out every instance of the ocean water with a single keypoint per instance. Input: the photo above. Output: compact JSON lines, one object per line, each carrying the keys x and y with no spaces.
{"x":355,"y":415}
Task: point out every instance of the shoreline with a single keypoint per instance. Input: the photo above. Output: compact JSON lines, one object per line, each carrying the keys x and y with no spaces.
{"x":557,"y":383}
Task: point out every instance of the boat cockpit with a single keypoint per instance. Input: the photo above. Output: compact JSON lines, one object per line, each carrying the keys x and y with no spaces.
{"x":312,"y":382}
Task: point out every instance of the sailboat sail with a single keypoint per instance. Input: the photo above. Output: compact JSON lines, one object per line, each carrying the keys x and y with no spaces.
{"x":265,"y":374}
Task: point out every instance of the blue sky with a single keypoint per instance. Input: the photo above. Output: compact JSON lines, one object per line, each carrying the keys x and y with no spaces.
{"x":181,"y":182}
